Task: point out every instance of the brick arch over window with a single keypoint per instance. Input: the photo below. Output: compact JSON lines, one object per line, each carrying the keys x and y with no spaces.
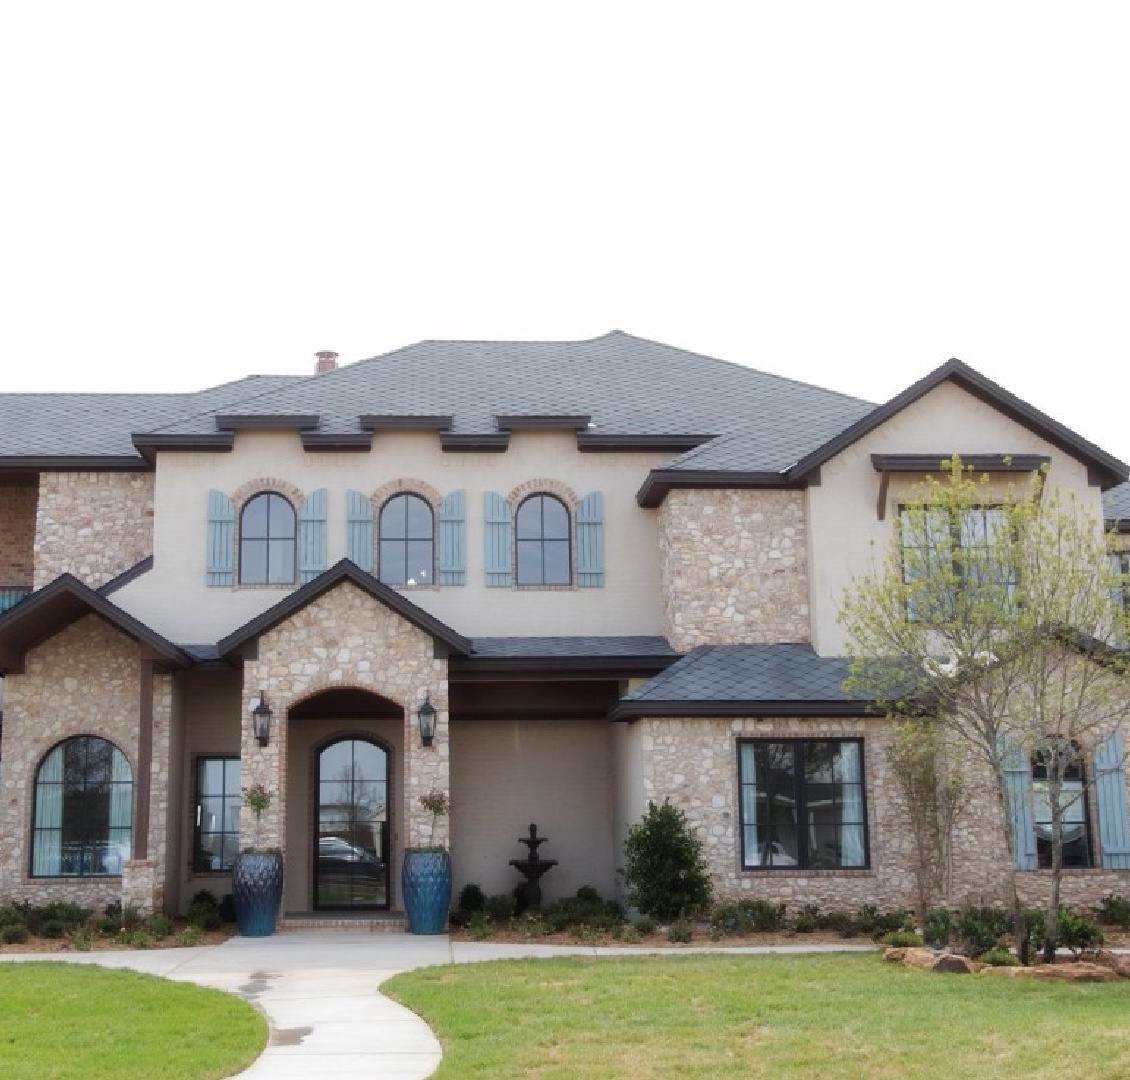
{"x":294,"y":495}
{"x":545,"y":487}
{"x":405,"y":486}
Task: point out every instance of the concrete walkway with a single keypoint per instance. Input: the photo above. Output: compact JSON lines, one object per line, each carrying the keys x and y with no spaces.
{"x":320,"y":993}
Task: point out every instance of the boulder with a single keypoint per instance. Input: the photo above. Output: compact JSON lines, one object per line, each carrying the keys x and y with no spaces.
{"x":920,"y":958}
{"x":1077,"y":972}
{"x":952,"y":964}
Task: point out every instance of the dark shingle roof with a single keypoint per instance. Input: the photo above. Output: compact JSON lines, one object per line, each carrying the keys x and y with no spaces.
{"x":1116,"y":503}
{"x":555,"y":647}
{"x":745,"y":680}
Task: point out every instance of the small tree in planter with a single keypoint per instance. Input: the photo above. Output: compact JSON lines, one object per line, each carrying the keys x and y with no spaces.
{"x":664,"y":867}
{"x":257,"y":876}
{"x":426,"y":878}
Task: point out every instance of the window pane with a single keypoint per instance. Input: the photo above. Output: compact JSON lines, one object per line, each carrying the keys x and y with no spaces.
{"x":528,"y":520}
{"x":394,"y":517}
{"x":529,"y":562}
{"x":231,"y":776}
{"x":281,"y":523}
{"x":557,"y":570}
{"x":281,"y":567}
{"x":419,"y":555}
{"x":419,"y":518}
{"x":253,"y":522}
{"x":555,"y":519}
{"x":253,"y":562}
{"x":393,"y":570}
{"x":211,"y":773}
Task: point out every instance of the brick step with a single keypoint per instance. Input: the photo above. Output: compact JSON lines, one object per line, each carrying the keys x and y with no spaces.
{"x":393,"y":922}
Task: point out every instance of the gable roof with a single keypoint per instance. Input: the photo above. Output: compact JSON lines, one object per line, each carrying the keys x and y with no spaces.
{"x":746,"y":680}
{"x":66,"y":600}
{"x":1104,"y":469}
{"x":234,"y":644}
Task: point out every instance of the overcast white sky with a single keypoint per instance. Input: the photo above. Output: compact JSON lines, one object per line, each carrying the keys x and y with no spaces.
{"x":845,"y":193}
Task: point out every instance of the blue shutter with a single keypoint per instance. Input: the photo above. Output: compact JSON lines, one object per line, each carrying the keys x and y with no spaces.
{"x":312,"y":536}
{"x":221,"y":539}
{"x":453,"y":539}
{"x":1018,"y":780}
{"x":1114,"y":822}
{"x":359,"y":534}
{"x":497,"y":543}
{"x":590,"y":542}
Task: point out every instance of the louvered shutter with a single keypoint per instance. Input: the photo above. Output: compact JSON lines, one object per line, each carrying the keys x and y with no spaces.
{"x":1018,"y":780}
{"x":1114,"y":821}
{"x":221,"y":539}
{"x":312,"y":536}
{"x":497,"y":543}
{"x":453,"y":539}
{"x":590,"y":541}
{"x":359,"y":529}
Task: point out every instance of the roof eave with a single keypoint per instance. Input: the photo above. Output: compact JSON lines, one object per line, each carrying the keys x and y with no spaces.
{"x":660,"y":482}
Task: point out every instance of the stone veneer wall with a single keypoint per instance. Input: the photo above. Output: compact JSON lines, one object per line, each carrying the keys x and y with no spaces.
{"x":345,"y":638}
{"x":17,"y":534}
{"x":83,"y":681}
{"x":695,"y":763}
{"x":734,"y":567}
{"x":94,"y":525}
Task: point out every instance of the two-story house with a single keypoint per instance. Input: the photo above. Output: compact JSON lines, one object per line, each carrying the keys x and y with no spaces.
{"x":554,"y":579}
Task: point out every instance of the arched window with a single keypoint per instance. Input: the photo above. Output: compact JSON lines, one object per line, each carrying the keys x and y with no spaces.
{"x":407,"y":542}
{"x":266,"y":541}
{"x":1073,"y":800}
{"x":542,"y":534}
{"x":83,"y":810}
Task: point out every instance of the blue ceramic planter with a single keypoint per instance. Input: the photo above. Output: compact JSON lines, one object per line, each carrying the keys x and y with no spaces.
{"x":426,"y":886}
{"x":256,"y":888}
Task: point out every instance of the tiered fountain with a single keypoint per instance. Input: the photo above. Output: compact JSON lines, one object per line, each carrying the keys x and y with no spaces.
{"x":532,"y":867}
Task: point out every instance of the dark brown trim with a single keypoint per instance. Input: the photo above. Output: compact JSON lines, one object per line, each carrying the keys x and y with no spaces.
{"x":635,"y":710}
{"x":547,"y":422}
{"x":234,"y":645}
{"x":144,"y":759}
{"x":661,"y":481}
{"x":932,"y":463}
{"x":149,"y":445}
{"x":74,"y":463}
{"x":598,"y":442}
{"x":475,"y":444}
{"x":467,"y":669}
{"x":1103,"y":468}
{"x":262,"y":421}
{"x":126,"y":576}
{"x":392,"y":422}
{"x":349,"y":442}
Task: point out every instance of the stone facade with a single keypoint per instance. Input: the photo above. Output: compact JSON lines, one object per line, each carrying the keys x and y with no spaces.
{"x":84,"y":681}
{"x":17,"y":534}
{"x":94,"y":525}
{"x":734,"y":567}
{"x":345,"y":638}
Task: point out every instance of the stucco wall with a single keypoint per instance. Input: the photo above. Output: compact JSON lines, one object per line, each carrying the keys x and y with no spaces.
{"x":509,"y":774}
{"x":94,"y":525}
{"x":174,"y":598}
{"x":83,"y":681}
{"x":17,"y":534}
{"x":734,"y":567}
{"x":845,"y":531}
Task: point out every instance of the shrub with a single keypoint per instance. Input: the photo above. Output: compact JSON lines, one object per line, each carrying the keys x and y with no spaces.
{"x":501,"y":906}
{"x":132,"y":917}
{"x":135,"y":937}
{"x":999,"y":958}
{"x":52,"y":928}
{"x":978,"y":930}
{"x":82,"y":939}
{"x":204,"y":915}
{"x":13,"y":934}
{"x":227,"y":908}
{"x":586,"y":894}
{"x":680,"y":932}
{"x":1114,"y":910}
{"x":630,"y":935}
{"x":190,"y":936}
{"x":1078,"y":934}
{"x":803,"y":923}
{"x":160,"y":926}
{"x":644,"y":926}
{"x":531,"y":925}
{"x":460,"y":919}
{"x":938,"y":927}
{"x":481,"y":926}
{"x":664,"y":867}
{"x":471,"y":898}
{"x":901,"y":939}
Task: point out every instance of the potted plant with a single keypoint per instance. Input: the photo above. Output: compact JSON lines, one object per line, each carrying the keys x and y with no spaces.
{"x":426,"y":878}
{"x":257,"y":876}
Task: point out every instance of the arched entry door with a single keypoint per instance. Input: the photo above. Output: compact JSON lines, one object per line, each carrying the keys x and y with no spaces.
{"x":351,"y":835}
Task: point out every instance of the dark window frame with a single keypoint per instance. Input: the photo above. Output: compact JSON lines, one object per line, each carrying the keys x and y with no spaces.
{"x":198,"y":810}
{"x":268,"y":540}
{"x":86,"y":853}
{"x":1044,"y":847}
{"x":804,"y":860}
{"x":539,"y":542}
{"x":405,"y":540}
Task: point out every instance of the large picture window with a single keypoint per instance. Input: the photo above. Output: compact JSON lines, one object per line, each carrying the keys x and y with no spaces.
{"x":802,"y":804}
{"x":218,"y":802}
{"x":407,"y":551}
{"x":542,"y":532}
{"x":1073,"y":800}
{"x":267,"y":538}
{"x":83,"y":810}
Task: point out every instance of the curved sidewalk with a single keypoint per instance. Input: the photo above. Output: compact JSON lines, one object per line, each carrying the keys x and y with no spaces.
{"x":320,"y":992}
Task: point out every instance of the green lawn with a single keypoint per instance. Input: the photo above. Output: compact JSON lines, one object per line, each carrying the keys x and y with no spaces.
{"x":80,"y":1022}
{"x":844,"y":1017}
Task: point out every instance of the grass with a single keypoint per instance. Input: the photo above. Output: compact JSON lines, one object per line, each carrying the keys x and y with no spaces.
{"x":801,"y":1018}
{"x":80,"y":1022}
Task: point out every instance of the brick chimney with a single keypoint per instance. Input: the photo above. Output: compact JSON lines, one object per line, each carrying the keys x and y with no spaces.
{"x":327,"y":361}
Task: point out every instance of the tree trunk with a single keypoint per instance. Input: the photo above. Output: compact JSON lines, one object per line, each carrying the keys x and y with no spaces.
{"x":1051,"y":922}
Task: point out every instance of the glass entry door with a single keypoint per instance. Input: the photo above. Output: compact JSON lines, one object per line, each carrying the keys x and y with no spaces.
{"x":351,"y":861}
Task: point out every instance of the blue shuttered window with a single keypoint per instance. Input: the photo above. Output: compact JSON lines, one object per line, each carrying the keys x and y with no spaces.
{"x":312,"y":536}
{"x":497,"y":543}
{"x":359,"y":529}
{"x":220,"y":556}
{"x":590,"y":541}
{"x":453,"y":539}
{"x":1018,"y":779}
{"x":1114,"y":822}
